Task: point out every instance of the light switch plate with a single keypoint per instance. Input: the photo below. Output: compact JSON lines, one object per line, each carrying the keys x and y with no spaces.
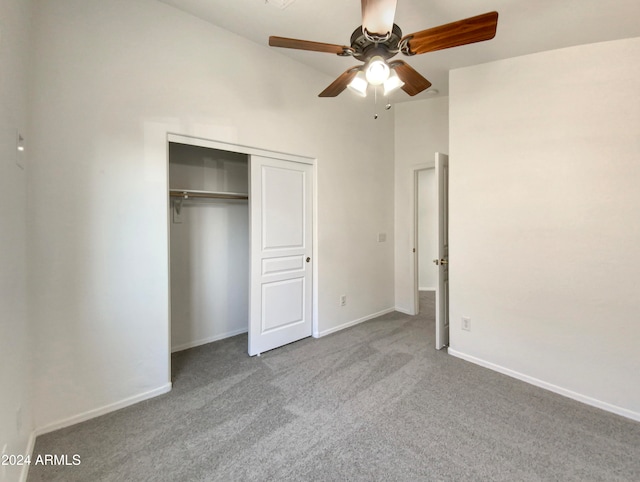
{"x":466,"y":323}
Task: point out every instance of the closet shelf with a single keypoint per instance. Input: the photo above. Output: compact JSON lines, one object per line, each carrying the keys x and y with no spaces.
{"x":190,"y":193}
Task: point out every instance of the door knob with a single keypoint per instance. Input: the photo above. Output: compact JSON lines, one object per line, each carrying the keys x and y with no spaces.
{"x":308,"y":259}
{"x":436,"y":262}
{"x":441,"y":261}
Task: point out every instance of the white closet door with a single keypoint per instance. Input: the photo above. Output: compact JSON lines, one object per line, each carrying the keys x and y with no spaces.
{"x":280,"y":310}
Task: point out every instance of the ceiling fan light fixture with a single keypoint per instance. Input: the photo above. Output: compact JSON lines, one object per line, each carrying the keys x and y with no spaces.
{"x":377,"y":71}
{"x":359,"y":84}
{"x":393,"y":83}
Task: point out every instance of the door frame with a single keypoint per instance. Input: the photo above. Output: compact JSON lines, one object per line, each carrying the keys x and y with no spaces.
{"x":242,"y":149}
{"x":414,"y":300}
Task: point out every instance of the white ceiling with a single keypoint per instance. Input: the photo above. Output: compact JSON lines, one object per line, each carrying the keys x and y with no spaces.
{"x":524,"y":27}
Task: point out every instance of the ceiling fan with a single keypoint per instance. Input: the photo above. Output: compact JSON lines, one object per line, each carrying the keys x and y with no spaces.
{"x":379,"y":39}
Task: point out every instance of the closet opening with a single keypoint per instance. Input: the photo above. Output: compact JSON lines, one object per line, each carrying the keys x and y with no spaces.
{"x":208,"y":244}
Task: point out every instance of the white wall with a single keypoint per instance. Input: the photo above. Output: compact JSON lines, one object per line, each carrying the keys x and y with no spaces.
{"x":544,"y":231}
{"x":427,"y":229}
{"x":15,"y":346}
{"x":209,"y":247}
{"x":111,"y":77}
{"x":422,"y":129}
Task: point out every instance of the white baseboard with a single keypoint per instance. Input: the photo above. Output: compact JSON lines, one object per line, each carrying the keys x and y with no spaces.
{"x":549,"y":386}
{"x":426,"y":289}
{"x":24,"y":474}
{"x":352,"y":323}
{"x":204,"y":341}
{"x":96,"y":412}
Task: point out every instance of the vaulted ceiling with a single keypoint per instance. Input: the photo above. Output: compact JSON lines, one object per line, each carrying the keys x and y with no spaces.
{"x":524,"y":27}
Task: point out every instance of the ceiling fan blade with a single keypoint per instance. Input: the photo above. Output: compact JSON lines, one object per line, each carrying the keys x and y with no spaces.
{"x":414,"y":82}
{"x":292,"y":43}
{"x":463,"y":32}
{"x":338,"y":85}
{"x":378,"y":15}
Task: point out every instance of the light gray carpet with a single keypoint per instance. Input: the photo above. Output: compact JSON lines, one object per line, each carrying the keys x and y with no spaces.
{"x":374,"y":402}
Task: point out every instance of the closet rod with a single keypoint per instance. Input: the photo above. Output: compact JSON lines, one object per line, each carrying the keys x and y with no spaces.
{"x":187,"y":193}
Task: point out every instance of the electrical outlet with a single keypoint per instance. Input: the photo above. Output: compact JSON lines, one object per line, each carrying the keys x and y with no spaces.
{"x":466,"y":323}
{"x":343,"y":300}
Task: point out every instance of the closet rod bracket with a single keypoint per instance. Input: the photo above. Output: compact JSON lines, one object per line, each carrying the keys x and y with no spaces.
{"x":177,"y":204}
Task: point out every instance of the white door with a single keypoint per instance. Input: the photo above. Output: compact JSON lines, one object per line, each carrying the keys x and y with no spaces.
{"x":442,"y":293}
{"x":280,"y":306}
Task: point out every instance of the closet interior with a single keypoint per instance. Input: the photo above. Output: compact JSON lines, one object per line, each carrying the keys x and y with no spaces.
{"x":209,"y":244}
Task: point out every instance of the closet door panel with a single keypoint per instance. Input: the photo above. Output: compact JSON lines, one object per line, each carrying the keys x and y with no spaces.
{"x":282,"y":210}
{"x":283,"y":304}
{"x":281,"y":246}
{"x":282,"y":265}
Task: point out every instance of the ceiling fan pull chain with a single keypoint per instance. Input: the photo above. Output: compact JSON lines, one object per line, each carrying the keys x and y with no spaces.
{"x":375,"y":102}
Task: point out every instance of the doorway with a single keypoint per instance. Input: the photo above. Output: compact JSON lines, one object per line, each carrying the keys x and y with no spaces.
{"x":209,"y":241}
{"x":431,"y":240}
{"x":427,"y":229}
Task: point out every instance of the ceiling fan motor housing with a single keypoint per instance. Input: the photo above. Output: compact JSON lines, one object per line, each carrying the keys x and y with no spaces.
{"x":364,"y":48}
